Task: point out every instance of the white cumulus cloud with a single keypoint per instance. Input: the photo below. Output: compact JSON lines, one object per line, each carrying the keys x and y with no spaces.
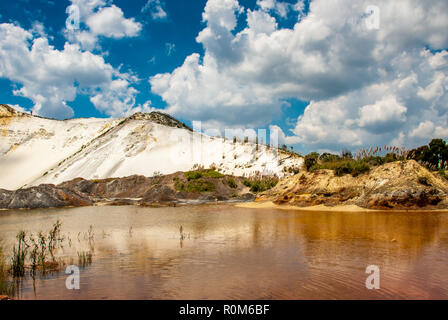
{"x":51,"y":77}
{"x":99,"y":19}
{"x":110,"y":22}
{"x":156,"y":9}
{"x":364,"y":86}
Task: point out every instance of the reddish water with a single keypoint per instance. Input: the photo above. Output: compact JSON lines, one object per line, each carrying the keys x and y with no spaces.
{"x":239,"y":253}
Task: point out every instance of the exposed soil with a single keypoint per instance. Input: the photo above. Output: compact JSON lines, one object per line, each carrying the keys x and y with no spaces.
{"x":396,"y":185}
{"x":147,"y":191}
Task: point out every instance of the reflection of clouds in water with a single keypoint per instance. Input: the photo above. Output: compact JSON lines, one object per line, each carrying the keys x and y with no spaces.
{"x":243,"y":253}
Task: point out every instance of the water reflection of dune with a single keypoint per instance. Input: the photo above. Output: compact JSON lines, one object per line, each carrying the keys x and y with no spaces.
{"x":240,"y":253}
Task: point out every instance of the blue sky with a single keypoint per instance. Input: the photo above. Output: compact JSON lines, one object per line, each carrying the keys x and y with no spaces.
{"x":146,"y":55}
{"x":311,"y":68}
{"x":133,"y":53}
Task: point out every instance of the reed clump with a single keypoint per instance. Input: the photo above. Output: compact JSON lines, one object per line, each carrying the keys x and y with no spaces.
{"x":19,"y":253}
{"x":37,"y":250}
{"x":84,"y":258}
{"x":6,"y":285}
{"x":33,"y":253}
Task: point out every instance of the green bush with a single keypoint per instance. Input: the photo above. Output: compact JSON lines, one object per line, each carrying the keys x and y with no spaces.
{"x":212,"y":173}
{"x":260,"y":184}
{"x":198,"y":174}
{"x":179,"y":186}
{"x":311,"y":160}
{"x":200,"y":186}
{"x":342,"y":167}
{"x":247,"y":183}
{"x":433,"y":156}
{"x":193,"y":175}
{"x":256,"y":187}
{"x":391,"y":157}
{"x":359,"y":167}
{"x":346,"y":154}
{"x":231,"y":183}
{"x":375,"y":160}
{"x":328,"y":157}
{"x":197,"y":185}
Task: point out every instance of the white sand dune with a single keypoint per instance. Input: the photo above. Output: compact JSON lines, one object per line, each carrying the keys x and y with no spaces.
{"x":34,"y":150}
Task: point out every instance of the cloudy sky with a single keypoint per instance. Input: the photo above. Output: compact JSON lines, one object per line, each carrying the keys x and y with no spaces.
{"x":329,"y":74}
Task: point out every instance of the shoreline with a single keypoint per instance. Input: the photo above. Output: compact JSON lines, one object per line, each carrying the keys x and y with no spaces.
{"x":322,"y":208}
{"x":265,"y":204}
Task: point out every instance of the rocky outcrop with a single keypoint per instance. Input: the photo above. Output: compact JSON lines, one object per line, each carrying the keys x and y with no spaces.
{"x":43,"y":196}
{"x":160,"y":118}
{"x":6,"y":111}
{"x":397,"y":185}
{"x":138,"y":190}
{"x":9,"y":112}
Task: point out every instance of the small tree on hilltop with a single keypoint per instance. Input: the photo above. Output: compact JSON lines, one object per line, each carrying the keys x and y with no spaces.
{"x":434,"y":155}
{"x":346,"y":154}
{"x":310,"y":160}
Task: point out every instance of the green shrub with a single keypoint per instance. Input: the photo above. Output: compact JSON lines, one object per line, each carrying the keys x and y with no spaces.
{"x":328,"y":157}
{"x":198,"y":174}
{"x":260,"y":184}
{"x":359,"y":167}
{"x":196,"y":185}
{"x":311,"y":160}
{"x":342,"y":167}
{"x":346,"y":154}
{"x":391,"y":157}
{"x":293,"y":170}
{"x":256,"y":187}
{"x":200,"y":186}
{"x":247,"y":183}
{"x":433,"y":156}
{"x":212,"y":173}
{"x":376,"y":160}
{"x":179,"y":186}
{"x":193,"y":175}
{"x":231,"y":183}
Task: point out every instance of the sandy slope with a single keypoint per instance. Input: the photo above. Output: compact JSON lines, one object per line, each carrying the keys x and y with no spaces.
{"x":35,"y":150}
{"x":30,"y":146}
{"x":397,"y":185}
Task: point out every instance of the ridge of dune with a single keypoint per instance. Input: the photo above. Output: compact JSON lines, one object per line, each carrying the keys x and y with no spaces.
{"x":35,"y":150}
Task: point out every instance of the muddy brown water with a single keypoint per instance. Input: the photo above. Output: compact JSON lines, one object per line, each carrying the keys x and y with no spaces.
{"x":241,"y":253}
